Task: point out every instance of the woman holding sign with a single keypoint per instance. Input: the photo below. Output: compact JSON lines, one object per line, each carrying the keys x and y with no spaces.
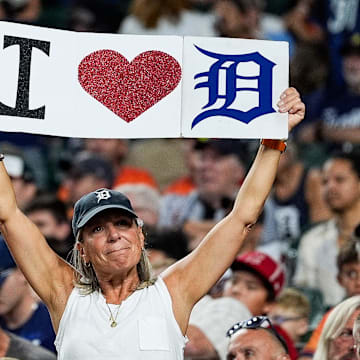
{"x":107,"y":306}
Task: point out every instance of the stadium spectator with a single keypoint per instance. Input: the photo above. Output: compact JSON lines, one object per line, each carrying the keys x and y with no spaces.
{"x":291,"y":311}
{"x":166,"y":17}
{"x":294,"y":205}
{"x":256,"y":281}
{"x":145,"y":200}
{"x":256,"y":338}
{"x":117,"y":151}
{"x":348,"y":267}
{"x":20,"y":312}
{"x":219,"y":174}
{"x":209,"y":321}
{"x":49,"y":214}
{"x":336,"y":340}
{"x":318,"y":249}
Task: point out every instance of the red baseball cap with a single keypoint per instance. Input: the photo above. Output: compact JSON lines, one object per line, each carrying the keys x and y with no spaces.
{"x":270,"y":271}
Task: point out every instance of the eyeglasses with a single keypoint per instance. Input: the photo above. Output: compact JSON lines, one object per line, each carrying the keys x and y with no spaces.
{"x":351,"y":274}
{"x":278,"y":319}
{"x":256,"y":323}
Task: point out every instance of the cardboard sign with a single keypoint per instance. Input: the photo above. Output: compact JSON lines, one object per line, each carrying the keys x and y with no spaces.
{"x":231,"y":87}
{"x":91,"y":85}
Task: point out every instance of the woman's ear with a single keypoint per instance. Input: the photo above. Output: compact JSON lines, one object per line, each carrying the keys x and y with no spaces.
{"x":81,"y":250}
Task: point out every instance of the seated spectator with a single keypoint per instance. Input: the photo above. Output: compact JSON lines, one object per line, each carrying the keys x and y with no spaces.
{"x":219,"y":174}
{"x":166,"y":17}
{"x":165,"y":246}
{"x":239,"y":18}
{"x":209,"y":321}
{"x":88,"y":172}
{"x":348,"y":267}
{"x":319,"y":247}
{"x":295,"y":203}
{"x":117,"y":151}
{"x":171,"y":161}
{"x":49,"y":214}
{"x":145,"y":201}
{"x":291,"y":311}
{"x":257,"y":339}
{"x":25,"y":11}
{"x":16,"y":348}
{"x":97,"y":15}
{"x":334,"y":114}
{"x":20,"y":312}
{"x":336,"y":340}
{"x":185,"y":184}
{"x":256,"y":281}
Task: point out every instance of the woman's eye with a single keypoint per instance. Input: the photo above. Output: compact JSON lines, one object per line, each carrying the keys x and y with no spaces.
{"x":97,"y":229}
{"x":248,"y":354}
{"x":124,"y":223}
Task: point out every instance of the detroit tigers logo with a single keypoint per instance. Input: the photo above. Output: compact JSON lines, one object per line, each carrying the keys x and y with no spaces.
{"x":102,"y":195}
{"x":229,"y":64}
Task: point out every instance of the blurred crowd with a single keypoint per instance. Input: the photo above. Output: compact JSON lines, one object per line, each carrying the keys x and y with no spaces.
{"x":300,"y":260}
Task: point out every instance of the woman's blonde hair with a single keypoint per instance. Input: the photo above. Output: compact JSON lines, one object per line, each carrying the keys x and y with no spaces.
{"x":334,"y":324}
{"x":85,"y":276}
{"x":149,"y":12}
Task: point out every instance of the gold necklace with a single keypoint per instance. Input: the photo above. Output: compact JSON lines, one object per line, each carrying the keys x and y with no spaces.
{"x":113,"y":322}
{"x":112,"y":318}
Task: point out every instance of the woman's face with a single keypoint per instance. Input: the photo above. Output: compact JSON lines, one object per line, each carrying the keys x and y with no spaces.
{"x":112,"y":242}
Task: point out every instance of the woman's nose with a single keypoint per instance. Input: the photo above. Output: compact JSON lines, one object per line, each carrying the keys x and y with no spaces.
{"x":113,"y":232}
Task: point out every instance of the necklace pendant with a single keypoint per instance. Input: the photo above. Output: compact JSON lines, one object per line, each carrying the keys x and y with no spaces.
{"x":113,"y":323}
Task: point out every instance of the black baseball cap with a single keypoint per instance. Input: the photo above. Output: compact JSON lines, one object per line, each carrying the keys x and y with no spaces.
{"x":99,"y":200}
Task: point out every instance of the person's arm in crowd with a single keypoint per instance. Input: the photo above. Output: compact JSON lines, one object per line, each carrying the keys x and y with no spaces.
{"x":48,"y":274}
{"x":192,"y":277}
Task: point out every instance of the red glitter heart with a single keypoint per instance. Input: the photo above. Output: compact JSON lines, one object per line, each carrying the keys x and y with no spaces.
{"x":129,"y":89}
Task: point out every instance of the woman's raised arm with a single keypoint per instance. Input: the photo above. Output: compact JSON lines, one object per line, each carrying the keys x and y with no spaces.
{"x":192,"y":277}
{"x":48,"y":274}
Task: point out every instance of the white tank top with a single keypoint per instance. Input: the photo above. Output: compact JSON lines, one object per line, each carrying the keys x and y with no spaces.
{"x":146,"y":327}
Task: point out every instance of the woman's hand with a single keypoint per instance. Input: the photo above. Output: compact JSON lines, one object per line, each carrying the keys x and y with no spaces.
{"x":291,"y":103}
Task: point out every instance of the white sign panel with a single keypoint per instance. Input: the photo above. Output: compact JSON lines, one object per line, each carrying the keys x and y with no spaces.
{"x":72,"y":84}
{"x":231,"y":87}
{"x":88,"y":85}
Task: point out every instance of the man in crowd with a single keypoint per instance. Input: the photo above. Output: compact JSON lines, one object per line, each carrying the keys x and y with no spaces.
{"x":50,"y":216}
{"x":255,"y":281}
{"x":218,"y":176}
{"x":318,"y":249}
{"x":250,"y":340}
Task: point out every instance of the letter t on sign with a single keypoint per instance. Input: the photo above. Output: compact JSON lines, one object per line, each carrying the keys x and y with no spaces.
{"x":22,"y":98}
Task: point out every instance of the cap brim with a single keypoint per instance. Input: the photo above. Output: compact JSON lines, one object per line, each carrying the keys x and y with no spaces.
{"x":98,"y":209}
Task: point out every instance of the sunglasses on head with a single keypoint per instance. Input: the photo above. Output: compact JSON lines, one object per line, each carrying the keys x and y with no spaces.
{"x":256,"y":323}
